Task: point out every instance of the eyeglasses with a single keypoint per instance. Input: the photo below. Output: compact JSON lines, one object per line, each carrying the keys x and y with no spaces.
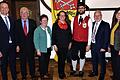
{"x":81,"y":8}
{"x":62,"y":15}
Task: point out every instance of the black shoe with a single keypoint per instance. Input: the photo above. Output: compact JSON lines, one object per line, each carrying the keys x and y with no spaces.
{"x":101,"y":78}
{"x":92,"y":74}
{"x":81,"y":73}
{"x":23,"y":78}
{"x":72,"y":72}
{"x":61,"y":76}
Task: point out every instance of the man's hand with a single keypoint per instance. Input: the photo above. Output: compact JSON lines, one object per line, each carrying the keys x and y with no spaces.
{"x":1,"y":54}
{"x":102,"y":50}
{"x":119,"y":53}
{"x":87,"y":48}
{"x":17,"y":49}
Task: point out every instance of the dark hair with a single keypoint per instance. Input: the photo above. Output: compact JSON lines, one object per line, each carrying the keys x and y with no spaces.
{"x":3,"y":2}
{"x":114,"y":19}
{"x":43,"y":16}
{"x":66,"y":17}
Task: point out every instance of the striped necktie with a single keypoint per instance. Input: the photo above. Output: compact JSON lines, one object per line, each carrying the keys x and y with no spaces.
{"x":6,"y":22}
{"x":94,"y":32}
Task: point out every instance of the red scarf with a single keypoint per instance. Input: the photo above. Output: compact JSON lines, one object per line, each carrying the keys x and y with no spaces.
{"x":62,"y":25}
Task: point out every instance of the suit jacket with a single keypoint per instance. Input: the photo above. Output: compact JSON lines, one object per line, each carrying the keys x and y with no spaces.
{"x":102,"y":35}
{"x":5,"y":33}
{"x":25,"y":42}
{"x":117,"y":39}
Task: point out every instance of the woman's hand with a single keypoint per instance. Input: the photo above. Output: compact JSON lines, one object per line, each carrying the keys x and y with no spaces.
{"x":38,"y":53}
{"x":69,"y":47}
{"x":55,"y":48}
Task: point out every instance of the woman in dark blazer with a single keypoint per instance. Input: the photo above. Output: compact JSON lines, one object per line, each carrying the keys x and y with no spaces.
{"x":61,"y":38}
{"x":115,"y":44}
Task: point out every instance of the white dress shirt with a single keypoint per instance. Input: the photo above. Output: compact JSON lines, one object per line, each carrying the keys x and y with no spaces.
{"x":48,"y":37}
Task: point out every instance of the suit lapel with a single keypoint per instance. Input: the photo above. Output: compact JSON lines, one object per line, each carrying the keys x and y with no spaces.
{"x":99,"y":28}
{"x":3,"y":23}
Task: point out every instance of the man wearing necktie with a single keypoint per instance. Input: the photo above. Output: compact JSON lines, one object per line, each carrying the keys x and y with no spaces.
{"x":25,"y":29}
{"x":100,"y":42}
{"x":82,"y":32}
{"x":7,"y":42}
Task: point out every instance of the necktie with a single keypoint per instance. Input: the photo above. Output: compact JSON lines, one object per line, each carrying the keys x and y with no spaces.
{"x":6,"y":21}
{"x":25,"y":28}
{"x":80,"y":19}
{"x":94,"y":32}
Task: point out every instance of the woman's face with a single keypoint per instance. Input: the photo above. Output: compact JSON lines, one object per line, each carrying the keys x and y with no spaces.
{"x":44,"y":21}
{"x":118,"y":15}
{"x":62,"y":16}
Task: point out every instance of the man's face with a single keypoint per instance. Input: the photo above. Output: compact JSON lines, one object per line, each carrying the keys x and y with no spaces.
{"x":24,"y":13}
{"x":4,"y":9}
{"x":81,"y":10}
{"x":97,"y":16}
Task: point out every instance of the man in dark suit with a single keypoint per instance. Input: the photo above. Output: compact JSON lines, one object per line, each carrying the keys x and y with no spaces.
{"x":100,"y":41}
{"x":25,"y":30}
{"x":7,"y":42}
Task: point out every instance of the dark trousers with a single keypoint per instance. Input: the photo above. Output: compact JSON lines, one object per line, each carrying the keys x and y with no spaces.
{"x":98,"y":57}
{"x":62,"y":54}
{"x":115,"y":63}
{"x":44,"y":62}
{"x":9,"y":56}
{"x":78,"y":46}
{"x":118,"y":68}
{"x":27,"y":56}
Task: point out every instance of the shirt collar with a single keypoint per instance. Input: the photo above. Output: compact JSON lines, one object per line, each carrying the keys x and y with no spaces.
{"x":3,"y":16}
{"x":83,"y":15}
{"x":23,"y":20}
{"x":43,"y":28}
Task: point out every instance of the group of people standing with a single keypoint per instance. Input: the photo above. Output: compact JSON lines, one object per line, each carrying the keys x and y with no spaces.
{"x":78,"y":36}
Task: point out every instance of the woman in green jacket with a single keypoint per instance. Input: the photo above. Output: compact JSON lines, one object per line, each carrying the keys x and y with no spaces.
{"x":42,"y":42}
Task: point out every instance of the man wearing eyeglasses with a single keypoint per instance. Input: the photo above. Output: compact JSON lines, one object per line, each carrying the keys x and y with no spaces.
{"x":82,"y":31}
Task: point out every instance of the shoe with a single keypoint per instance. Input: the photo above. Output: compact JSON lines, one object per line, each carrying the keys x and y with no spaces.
{"x":76,"y":74}
{"x":92,"y":74}
{"x":45,"y":76}
{"x":72,"y":72}
{"x":81,"y":73}
{"x":101,"y":78}
{"x":24,"y":78}
{"x":61,"y":76}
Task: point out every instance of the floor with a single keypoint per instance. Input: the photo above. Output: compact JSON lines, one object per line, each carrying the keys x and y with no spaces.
{"x":54,"y":73}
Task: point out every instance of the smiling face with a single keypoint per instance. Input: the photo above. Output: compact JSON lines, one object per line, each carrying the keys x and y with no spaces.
{"x":44,"y":22}
{"x":62,"y":16}
{"x":97,"y":16}
{"x":24,"y":13}
{"x":81,"y":10}
{"x":118,"y":15}
{"x":4,"y":9}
